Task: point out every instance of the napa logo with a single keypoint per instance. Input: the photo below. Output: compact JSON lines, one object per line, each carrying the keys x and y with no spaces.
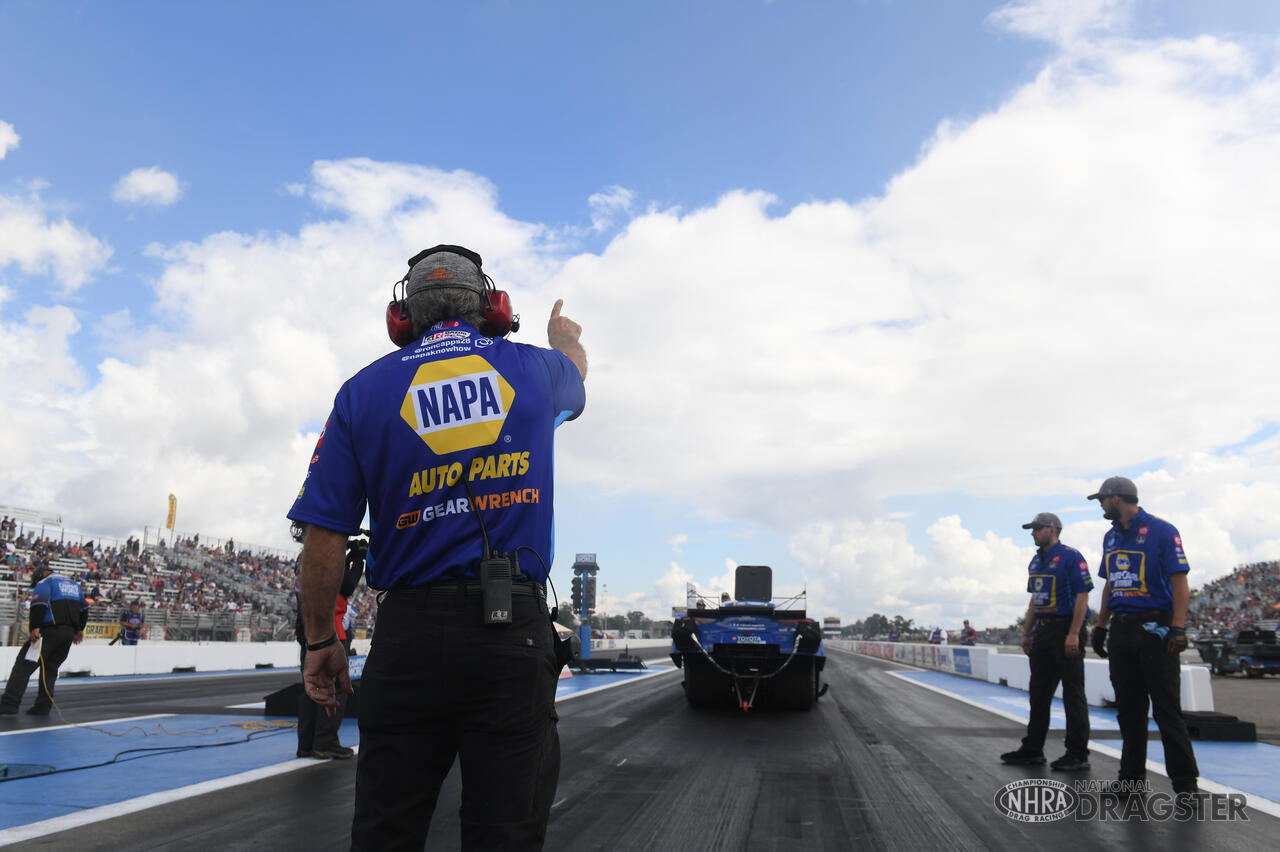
{"x":457,"y":404}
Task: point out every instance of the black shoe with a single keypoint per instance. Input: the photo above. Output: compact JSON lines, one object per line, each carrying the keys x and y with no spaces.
{"x":306,"y":753}
{"x":1023,"y":758}
{"x":337,"y":753}
{"x":6,"y":710}
{"x":1070,"y":763}
{"x":38,"y":711}
{"x":1189,"y":788}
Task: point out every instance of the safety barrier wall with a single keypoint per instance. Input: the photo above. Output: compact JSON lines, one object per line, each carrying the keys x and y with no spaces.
{"x":985,"y":662}
{"x":606,"y":644}
{"x":100,"y":660}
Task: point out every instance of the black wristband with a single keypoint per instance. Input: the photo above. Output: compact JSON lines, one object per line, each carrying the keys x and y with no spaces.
{"x":325,"y":644}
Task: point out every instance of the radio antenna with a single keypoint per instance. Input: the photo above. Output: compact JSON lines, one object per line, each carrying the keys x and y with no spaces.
{"x":471,"y":501}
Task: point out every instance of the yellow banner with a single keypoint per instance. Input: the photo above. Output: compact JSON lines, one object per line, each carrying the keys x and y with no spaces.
{"x":101,"y":630}
{"x":173,"y":512}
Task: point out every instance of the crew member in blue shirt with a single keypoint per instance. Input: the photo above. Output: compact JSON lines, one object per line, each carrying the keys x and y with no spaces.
{"x":454,"y":427}
{"x":58,"y":616}
{"x":131,"y":624}
{"x":1146,"y":597}
{"x":1053,"y":637}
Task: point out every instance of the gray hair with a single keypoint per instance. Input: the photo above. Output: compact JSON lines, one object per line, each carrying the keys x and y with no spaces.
{"x":430,"y":305}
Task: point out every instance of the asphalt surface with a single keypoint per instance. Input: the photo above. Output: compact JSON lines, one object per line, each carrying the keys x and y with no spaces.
{"x":879,"y":764}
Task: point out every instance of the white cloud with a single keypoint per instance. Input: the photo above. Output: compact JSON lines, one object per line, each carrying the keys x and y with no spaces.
{"x":8,"y":138}
{"x":40,"y":244}
{"x":148,"y":185}
{"x":41,"y":385}
{"x":1062,"y":21}
{"x":608,"y":205}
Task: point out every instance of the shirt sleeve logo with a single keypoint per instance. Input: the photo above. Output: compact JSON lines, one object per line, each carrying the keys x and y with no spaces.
{"x":457,"y":404}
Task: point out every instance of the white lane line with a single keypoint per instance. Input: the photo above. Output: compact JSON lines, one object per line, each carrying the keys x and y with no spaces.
{"x":95,"y":724}
{"x":1254,"y":801}
{"x":631,"y":679}
{"x":129,"y":806}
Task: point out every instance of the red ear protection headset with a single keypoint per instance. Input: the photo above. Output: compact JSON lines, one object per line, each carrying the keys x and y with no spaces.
{"x":495,"y":308}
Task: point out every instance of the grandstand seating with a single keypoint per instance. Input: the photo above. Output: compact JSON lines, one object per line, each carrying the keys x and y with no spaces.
{"x":193,"y":592}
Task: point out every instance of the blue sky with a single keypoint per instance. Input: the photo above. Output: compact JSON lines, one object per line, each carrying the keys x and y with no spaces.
{"x":852,"y":275}
{"x":678,"y":102}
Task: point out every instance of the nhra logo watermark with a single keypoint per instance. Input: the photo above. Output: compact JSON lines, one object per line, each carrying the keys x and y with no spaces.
{"x":1036,"y":800}
{"x":1046,"y":800}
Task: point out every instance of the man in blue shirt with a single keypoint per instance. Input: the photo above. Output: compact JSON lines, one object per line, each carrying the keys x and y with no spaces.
{"x":1053,"y":637}
{"x":131,"y":624}
{"x":58,"y":616}
{"x":453,"y":428}
{"x":1146,"y":596}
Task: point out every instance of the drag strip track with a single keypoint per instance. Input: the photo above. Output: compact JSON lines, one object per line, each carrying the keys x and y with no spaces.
{"x":879,"y":764}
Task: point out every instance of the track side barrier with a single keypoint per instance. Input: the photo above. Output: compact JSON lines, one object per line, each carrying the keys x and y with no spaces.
{"x":100,"y":659}
{"x":985,"y":662}
{"x":608,"y":644}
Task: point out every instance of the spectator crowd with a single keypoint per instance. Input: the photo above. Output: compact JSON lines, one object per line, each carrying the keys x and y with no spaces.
{"x":1248,"y":595}
{"x":187,"y":577}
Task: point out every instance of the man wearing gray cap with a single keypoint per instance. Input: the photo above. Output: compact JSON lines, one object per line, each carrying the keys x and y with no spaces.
{"x":1146,"y":595}
{"x":448,"y":441}
{"x":1053,"y":637}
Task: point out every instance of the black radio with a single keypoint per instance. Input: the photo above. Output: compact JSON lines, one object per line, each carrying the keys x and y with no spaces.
{"x":495,"y":587}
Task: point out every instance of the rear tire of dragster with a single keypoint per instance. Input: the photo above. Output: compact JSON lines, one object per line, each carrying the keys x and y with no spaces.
{"x":704,"y":685}
{"x":796,"y":686}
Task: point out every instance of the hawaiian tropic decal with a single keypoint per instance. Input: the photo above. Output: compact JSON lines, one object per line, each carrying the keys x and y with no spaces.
{"x":457,"y":404}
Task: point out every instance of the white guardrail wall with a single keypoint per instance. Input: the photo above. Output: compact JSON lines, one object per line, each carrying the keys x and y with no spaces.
{"x":984,"y":662}
{"x":99,"y":659}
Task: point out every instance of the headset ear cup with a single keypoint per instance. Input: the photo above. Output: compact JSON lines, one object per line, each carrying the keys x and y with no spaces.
{"x":497,"y":314}
{"x":399,"y":326}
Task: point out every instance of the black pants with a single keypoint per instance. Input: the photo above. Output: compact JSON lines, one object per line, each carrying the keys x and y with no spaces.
{"x":1049,"y":666}
{"x":1141,"y":671}
{"x":53,"y":651}
{"x":439,"y":685}
{"x":316,"y":728}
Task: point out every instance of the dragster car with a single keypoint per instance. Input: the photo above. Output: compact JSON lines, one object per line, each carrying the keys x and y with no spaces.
{"x":750,"y":651}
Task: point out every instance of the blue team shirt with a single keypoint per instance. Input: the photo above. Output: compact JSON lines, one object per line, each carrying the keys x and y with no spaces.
{"x":54,"y":589}
{"x":133,"y":625}
{"x":405,"y":430}
{"x":1054,"y":578}
{"x":1139,"y":561}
